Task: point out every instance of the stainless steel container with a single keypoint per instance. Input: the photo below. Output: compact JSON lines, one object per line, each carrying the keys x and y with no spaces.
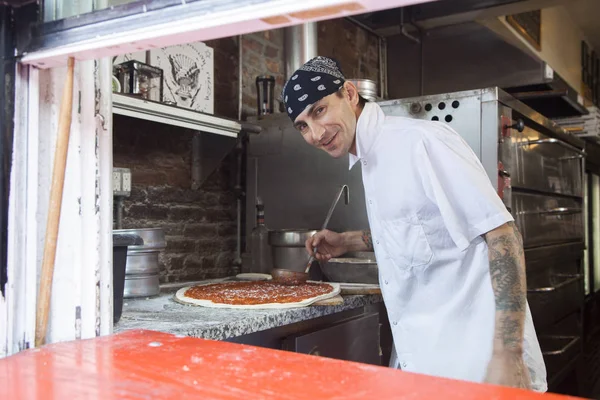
{"x":367,"y":88}
{"x":287,"y":246}
{"x":358,"y":267}
{"x":143,"y":267}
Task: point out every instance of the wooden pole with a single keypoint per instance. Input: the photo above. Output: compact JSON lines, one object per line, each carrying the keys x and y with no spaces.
{"x":56,"y":192}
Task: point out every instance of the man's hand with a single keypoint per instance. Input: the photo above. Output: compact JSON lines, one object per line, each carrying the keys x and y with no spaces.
{"x":508,"y":369}
{"x":507,"y":271}
{"x":331,"y":244}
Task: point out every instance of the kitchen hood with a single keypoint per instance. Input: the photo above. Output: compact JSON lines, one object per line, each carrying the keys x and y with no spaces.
{"x":547,"y":93}
{"x":471,"y":55}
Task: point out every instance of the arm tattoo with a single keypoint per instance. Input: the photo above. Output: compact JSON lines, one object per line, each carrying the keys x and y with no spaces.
{"x":507,"y":271}
{"x":367,"y":239}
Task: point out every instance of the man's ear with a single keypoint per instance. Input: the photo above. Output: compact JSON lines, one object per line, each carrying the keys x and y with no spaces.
{"x":351,"y":93}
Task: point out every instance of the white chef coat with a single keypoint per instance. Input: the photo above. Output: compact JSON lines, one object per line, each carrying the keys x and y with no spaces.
{"x":429,"y":200}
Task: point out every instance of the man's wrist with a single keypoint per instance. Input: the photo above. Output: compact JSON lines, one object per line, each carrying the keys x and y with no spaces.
{"x":503,"y":351}
{"x":357,"y":240}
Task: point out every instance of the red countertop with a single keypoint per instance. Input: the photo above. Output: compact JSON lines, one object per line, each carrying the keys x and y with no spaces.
{"x":153,"y":365}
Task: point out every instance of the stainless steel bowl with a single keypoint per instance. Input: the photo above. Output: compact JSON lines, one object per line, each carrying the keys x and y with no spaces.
{"x":358,"y":267}
{"x":290,"y":237}
{"x":287,"y":246}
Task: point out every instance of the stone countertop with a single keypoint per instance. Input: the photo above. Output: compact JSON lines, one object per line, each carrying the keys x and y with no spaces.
{"x":162,"y":313}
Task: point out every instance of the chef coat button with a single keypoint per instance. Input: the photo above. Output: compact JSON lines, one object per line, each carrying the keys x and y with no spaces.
{"x":395,"y":322}
{"x":370,"y":201}
{"x":377,"y":241}
{"x":386,"y":282}
{"x":404,"y":364}
{"x":364,"y":162}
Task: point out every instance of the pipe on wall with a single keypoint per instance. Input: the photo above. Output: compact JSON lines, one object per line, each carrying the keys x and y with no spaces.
{"x":300,"y":45}
{"x":239,"y":150}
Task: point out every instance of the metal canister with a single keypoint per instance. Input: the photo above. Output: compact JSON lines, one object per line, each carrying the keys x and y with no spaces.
{"x":142,"y":269}
{"x":367,"y":88}
{"x":265,"y":91}
{"x":288,"y":250}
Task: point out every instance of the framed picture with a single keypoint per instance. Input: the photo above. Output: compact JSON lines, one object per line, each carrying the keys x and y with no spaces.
{"x":529,"y":26}
{"x":188,"y":71}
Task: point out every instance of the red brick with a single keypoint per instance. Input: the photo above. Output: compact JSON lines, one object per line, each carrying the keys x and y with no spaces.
{"x":227,"y":229}
{"x":272,"y":52}
{"x":200,"y":230}
{"x":175,"y":262}
{"x":143,"y":211}
{"x":180,"y":213}
{"x":252,"y":44}
{"x":176,"y":244}
{"x":273,"y":66}
{"x":193,"y":261}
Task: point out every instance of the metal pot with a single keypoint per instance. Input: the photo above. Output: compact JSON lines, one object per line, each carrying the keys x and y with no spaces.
{"x":143,"y":268}
{"x":154,"y":238}
{"x":287,"y":246}
{"x":357,"y":267}
{"x":366,"y":88}
{"x":141,"y":286}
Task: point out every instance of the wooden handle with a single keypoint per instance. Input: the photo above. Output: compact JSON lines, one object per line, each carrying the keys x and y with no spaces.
{"x":56,"y":192}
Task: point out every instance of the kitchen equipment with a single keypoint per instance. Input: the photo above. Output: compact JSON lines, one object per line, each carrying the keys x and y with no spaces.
{"x":140,"y":79}
{"x":259,"y":240}
{"x":287,"y":247}
{"x":56,"y":192}
{"x":558,"y":351}
{"x":354,"y":267}
{"x":359,"y":289}
{"x":143,"y":267}
{"x":120,"y":244}
{"x":366,"y":88}
{"x":289,"y":276}
{"x":265,"y":87}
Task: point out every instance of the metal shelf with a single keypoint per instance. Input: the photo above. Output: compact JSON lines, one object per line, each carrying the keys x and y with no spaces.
{"x":176,"y":116}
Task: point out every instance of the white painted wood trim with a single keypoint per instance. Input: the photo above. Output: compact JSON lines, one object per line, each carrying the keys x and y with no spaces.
{"x":246,"y":18}
{"x":81,"y":303}
{"x":104,"y":133}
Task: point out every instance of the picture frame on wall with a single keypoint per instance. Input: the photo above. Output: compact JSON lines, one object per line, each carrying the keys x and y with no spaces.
{"x":188,"y":75}
{"x":529,"y":26}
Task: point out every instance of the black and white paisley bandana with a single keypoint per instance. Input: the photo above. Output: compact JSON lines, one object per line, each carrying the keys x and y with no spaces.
{"x":316,"y":79}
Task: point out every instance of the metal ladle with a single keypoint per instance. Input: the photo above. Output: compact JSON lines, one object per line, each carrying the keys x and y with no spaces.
{"x":290,"y":277}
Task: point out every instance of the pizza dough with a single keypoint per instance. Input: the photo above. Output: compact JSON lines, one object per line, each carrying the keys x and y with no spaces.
{"x":251,"y":276}
{"x":181,"y":297}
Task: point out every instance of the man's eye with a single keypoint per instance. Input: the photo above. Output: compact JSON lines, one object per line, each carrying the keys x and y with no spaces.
{"x":302,"y":127}
{"x":319,"y":110}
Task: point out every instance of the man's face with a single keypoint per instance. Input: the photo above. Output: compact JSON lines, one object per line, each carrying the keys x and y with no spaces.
{"x":330,"y":124}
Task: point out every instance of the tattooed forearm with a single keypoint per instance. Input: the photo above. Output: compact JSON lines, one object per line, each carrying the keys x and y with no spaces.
{"x":367,"y":239}
{"x":507,"y":271}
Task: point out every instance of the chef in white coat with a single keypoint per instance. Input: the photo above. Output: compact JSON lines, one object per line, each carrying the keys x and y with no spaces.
{"x":450,"y":258}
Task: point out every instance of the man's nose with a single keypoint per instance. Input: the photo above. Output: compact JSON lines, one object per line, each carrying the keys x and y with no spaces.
{"x":318,"y":134}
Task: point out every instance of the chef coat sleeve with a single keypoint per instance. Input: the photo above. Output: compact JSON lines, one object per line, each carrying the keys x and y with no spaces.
{"x":454,"y":179}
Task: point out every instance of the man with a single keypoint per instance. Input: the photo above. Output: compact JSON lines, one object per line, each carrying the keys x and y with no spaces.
{"x":451,"y":265}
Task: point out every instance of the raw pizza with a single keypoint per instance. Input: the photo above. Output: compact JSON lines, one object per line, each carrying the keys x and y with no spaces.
{"x":258,"y":294}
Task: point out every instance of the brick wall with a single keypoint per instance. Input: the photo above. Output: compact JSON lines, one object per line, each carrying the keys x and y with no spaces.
{"x":200,"y":224}
{"x":355,"y":49}
{"x":263,"y":54}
